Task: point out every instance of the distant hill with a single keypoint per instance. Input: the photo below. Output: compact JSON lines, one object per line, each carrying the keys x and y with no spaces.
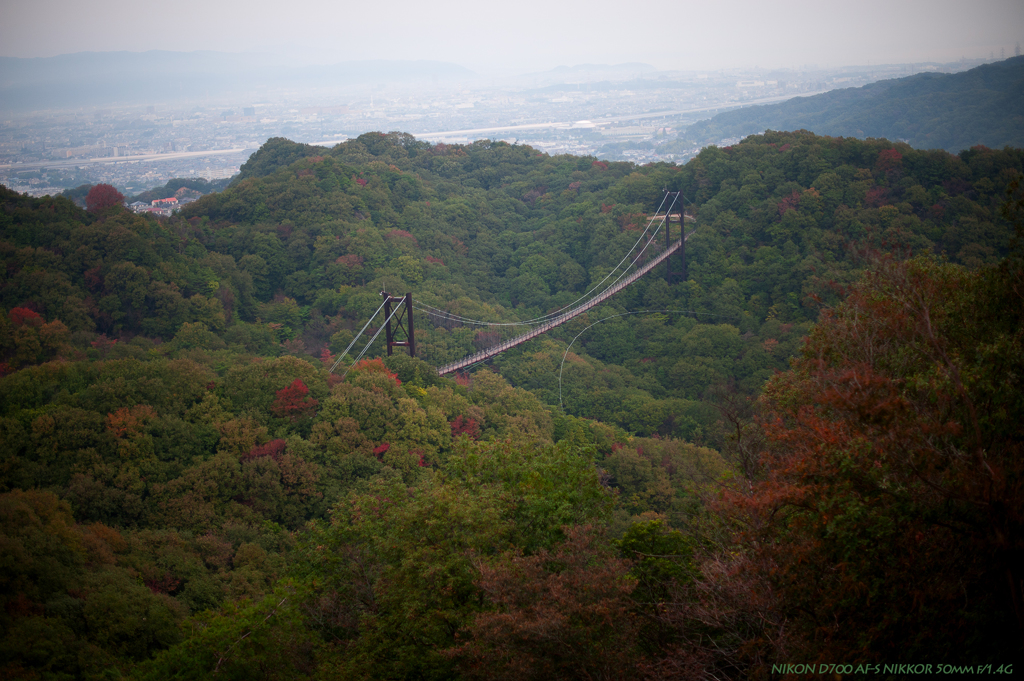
{"x":101,"y":78}
{"x":928,"y":111}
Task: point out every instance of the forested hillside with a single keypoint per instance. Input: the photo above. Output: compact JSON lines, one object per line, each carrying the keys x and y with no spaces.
{"x":735,"y":471}
{"x":951,"y":111}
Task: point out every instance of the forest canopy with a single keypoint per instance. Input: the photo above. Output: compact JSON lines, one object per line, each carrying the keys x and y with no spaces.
{"x":766,"y":461}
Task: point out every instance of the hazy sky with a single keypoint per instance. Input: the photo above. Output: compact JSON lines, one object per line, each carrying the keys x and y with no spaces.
{"x":529,"y":34}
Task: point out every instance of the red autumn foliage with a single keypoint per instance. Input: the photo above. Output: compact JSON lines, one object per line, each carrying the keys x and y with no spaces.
{"x":22,"y":316}
{"x":103,"y":344}
{"x":600,"y":165}
{"x":461,"y":425}
{"x":294,"y":402}
{"x":350,"y":260}
{"x":876,"y":197}
{"x":791,"y":202}
{"x":889,"y":160}
{"x":273,"y":449}
{"x":101,"y":197}
{"x":380,"y":449}
{"x":360,"y":181}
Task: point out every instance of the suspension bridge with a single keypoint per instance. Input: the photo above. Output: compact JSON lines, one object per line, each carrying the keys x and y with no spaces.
{"x":400,"y":309}
{"x":487,"y":353}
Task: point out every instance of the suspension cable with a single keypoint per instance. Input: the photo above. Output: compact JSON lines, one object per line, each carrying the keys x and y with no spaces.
{"x":342,"y":355}
{"x":365,"y":349}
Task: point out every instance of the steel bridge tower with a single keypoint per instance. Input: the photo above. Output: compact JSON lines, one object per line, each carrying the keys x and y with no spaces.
{"x":673,"y":276}
{"x":403,"y":323}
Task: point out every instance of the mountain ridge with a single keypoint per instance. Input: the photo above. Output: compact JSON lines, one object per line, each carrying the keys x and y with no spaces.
{"x":927,"y":110}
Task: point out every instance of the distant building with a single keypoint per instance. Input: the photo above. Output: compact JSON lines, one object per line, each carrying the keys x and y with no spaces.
{"x":83,"y":151}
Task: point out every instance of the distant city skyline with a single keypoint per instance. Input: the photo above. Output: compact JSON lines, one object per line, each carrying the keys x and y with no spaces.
{"x":530,"y":35}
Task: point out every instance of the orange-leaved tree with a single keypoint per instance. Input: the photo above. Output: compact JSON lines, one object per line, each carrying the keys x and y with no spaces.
{"x":889,"y":516}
